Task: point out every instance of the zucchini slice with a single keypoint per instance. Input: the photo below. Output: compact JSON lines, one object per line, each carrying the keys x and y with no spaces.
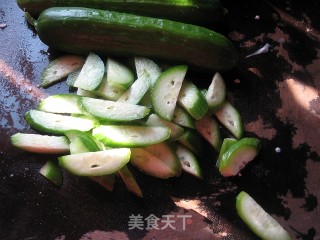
{"x":166,"y":90}
{"x":40,"y":143}
{"x":238,"y":155}
{"x":130,"y":136}
{"x":258,"y":220}
{"x":96,"y":163}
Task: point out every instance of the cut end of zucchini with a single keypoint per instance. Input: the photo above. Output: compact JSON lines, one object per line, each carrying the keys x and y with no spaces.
{"x":52,"y":172}
{"x":118,"y":74}
{"x":189,"y":161}
{"x":130,"y":181}
{"x":113,"y":111}
{"x":106,"y":181}
{"x":166,"y":90}
{"x":37,"y":143}
{"x":238,"y":155}
{"x":230,"y":117}
{"x":60,"y":103}
{"x":130,"y":136}
{"x":57,"y":123}
{"x":96,"y":163}
{"x":216,"y":94}
{"x":258,"y":220}
{"x":60,"y":68}
{"x":192,"y":100}
{"x":91,"y":74}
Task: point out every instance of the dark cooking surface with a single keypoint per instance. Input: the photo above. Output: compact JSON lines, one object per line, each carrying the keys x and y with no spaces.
{"x":276,"y":92}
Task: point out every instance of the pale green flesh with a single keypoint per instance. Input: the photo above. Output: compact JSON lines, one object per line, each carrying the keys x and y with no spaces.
{"x":52,"y":172}
{"x":193,"y":141}
{"x":209,"y":129}
{"x":176,"y":130}
{"x":60,"y":68}
{"x":166,"y":91}
{"x":56,"y":123}
{"x":72,"y":77}
{"x":258,"y":220}
{"x":227,"y":142}
{"x":145,"y":65}
{"x":192,"y":100}
{"x":40,"y":143}
{"x":113,"y":111}
{"x":189,"y":161}
{"x":231,"y":119}
{"x":81,"y":142}
{"x":238,"y":156}
{"x":216,"y":93}
{"x":137,"y":90}
{"x":84,"y":93}
{"x":157,"y":161}
{"x":108,"y":91}
{"x":183,"y":118}
{"x":130,"y":136}
{"x":96,"y":163}
{"x":60,"y":103}
{"x":130,"y":181}
{"x":91,"y":74}
{"x":165,"y":152}
{"x":118,"y":74}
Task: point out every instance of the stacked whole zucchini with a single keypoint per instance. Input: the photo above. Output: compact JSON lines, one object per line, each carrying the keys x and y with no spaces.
{"x":169,"y":30}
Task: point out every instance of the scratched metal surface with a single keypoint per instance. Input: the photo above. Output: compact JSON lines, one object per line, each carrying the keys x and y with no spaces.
{"x":276,"y":92}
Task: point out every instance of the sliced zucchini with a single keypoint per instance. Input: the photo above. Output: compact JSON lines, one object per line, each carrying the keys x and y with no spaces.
{"x":60,"y":68}
{"x":91,"y":74}
{"x":118,"y":75}
{"x":137,"y":90}
{"x":96,"y":163}
{"x":72,"y":77}
{"x":130,"y":181}
{"x":183,"y":118}
{"x":81,"y":142}
{"x":227,"y":142}
{"x":217,"y":92}
{"x":52,"y":172}
{"x":146,"y":65}
{"x":157,"y":160}
{"x":258,"y":220}
{"x":209,"y":128}
{"x":106,"y":181}
{"x":113,"y":111}
{"x":166,"y":90}
{"x":238,"y":155}
{"x":192,"y":100}
{"x":40,"y":143}
{"x":57,"y":123}
{"x":176,"y":130}
{"x":192,"y":140}
{"x":84,"y":93}
{"x":230,"y":117}
{"x":189,"y":161}
{"x":60,"y":103}
{"x":108,"y":91}
{"x":130,"y":136}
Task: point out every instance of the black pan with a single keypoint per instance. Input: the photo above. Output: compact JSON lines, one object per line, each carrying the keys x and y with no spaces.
{"x":277,"y":93}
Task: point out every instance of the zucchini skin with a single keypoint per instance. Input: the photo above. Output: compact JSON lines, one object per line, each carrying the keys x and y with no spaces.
{"x":195,"y":11}
{"x":83,"y":30}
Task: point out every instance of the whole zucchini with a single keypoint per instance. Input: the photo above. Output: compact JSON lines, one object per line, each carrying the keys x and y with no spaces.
{"x":189,"y":11}
{"x":83,"y":30}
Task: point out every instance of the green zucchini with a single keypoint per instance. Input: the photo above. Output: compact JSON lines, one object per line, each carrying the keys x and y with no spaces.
{"x":84,"y":30}
{"x":194,"y":11}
